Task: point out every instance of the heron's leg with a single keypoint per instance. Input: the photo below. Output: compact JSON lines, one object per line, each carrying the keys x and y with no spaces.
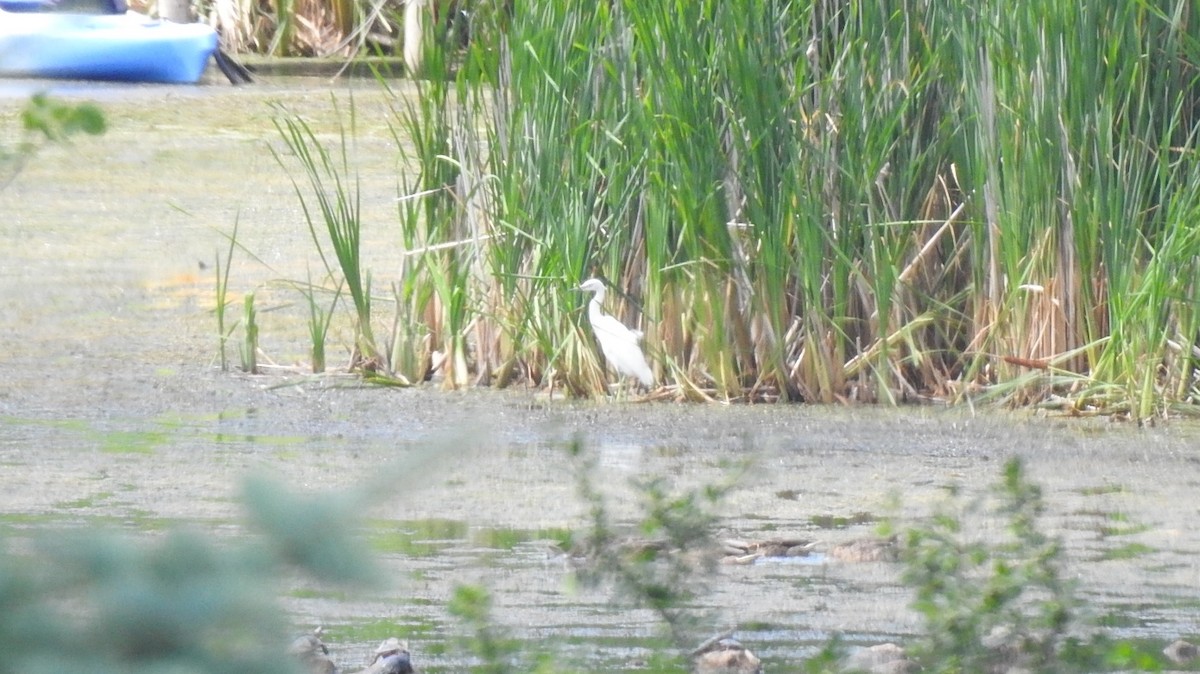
{"x":626,"y":388}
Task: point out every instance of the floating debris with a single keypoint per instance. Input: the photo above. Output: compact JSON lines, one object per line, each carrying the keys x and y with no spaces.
{"x":737,"y":551}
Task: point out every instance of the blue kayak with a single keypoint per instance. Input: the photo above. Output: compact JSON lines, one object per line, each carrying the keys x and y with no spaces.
{"x":125,"y":47}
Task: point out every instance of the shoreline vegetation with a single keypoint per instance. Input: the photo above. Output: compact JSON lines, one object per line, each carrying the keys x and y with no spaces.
{"x":794,"y":201}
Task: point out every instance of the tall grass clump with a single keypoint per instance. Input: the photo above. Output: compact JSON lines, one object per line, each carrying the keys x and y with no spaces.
{"x":1082,"y":150}
{"x":345,"y":28}
{"x":319,"y":318}
{"x":817,"y":201}
{"x":332,"y":214}
{"x":303,"y":27}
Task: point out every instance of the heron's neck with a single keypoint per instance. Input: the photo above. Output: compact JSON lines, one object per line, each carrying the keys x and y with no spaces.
{"x":594,"y":307}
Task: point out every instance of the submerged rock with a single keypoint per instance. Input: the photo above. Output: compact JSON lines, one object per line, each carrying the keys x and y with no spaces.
{"x":725,"y":656}
{"x":885,"y":658}
{"x":1181,"y":652}
{"x":313,"y":654}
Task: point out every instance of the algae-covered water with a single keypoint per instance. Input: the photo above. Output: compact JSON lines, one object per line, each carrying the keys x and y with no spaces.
{"x":113,"y":412}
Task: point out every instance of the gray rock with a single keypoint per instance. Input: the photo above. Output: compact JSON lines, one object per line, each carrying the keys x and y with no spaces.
{"x":880,"y":659}
{"x":1181,"y":652}
{"x":726,"y":656}
{"x":312,"y":653}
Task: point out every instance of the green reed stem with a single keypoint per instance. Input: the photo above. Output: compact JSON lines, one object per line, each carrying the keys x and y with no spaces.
{"x":249,"y":350}
{"x":222,"y":297}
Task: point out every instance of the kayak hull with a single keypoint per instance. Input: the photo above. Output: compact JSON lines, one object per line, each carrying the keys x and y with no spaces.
{"x":118,"y":47}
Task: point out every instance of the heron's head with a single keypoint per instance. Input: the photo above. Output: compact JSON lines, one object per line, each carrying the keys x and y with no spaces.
{"x":592,"y":285}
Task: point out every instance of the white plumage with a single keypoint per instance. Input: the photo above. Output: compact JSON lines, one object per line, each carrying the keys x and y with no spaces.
{"x":618,"y":343}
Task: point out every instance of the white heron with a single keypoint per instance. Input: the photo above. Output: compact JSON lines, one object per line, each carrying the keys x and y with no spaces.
{"x":618,"y":343}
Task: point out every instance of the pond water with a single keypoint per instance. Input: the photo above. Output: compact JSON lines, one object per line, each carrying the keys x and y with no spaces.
{"x":113,"y":411}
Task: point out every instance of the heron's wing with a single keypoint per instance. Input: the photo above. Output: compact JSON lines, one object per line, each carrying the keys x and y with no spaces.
{"x":607,"y":327}
{"x":620,"y":347}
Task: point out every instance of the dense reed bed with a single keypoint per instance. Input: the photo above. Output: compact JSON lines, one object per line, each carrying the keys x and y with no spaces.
{"x":892,"y":200}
